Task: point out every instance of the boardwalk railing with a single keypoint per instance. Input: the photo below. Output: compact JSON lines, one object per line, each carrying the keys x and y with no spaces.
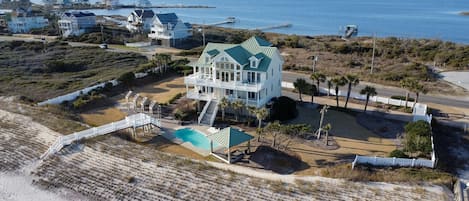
{"x":132,"y":121}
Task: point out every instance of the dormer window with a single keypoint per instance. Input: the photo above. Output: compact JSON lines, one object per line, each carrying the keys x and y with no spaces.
{"x":253,"y":64}
{"x":207,"y":59}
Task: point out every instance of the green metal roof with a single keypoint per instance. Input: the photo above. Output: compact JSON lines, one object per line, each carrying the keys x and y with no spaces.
{"x":239,"y":54}
{"x":230,"y":137}
{"x":259,"y":55}
{"x":259,"y":41}
{"x":254,"y":46}
{"x":213,"y":52}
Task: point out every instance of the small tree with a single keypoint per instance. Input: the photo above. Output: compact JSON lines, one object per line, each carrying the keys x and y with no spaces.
{"x":261,"y":114}
{"x":329,"y":86}
{"x":338,"y":82}
{"x":318,"y":77}
{"x":351,"y":80}
{"x":127,"y":79}
{"x":368,"y":91}
{"x":327,"y":128}
{"x":237,"y":106}
{"x":301,"y":86}
{"x":251,"y":111}
{"x":313,"y":90}
{"x":224,"y":103}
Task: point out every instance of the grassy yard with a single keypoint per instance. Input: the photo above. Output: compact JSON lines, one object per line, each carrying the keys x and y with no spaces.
{"x":40,"y":71}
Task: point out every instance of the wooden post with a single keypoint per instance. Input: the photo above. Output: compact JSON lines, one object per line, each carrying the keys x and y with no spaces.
{"x":249,"y":147}
{"x":211,"y":146}
{"x":229,"y":156}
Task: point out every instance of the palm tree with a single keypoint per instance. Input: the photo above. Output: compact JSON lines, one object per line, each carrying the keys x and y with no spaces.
{"x":327,"y":128}
{"x":318,"y":77}
{"x":329,"y":86}
{"x":369,"y":91}
{"x":352,"y":80}
{"x":224,"y":103}
{"x":251,"y":111}
{"x":261,"y":114}
{"x":313,"y":90}
{"x":338,"y":82}
{"x":165,"y":58}
{"x":300,"y":85}
{"x":237,"y":105}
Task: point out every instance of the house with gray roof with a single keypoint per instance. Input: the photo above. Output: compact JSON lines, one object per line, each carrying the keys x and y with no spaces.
{"x":76,"y":23}
{"x":250,"y":72}
{"x":140,"y":20}
{"x":167,"y":29}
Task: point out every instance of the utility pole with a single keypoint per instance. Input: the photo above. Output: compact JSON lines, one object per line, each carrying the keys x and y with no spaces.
{"x":373,"y":55}
{"x":102,"y":34}
{"x":315,"y":60}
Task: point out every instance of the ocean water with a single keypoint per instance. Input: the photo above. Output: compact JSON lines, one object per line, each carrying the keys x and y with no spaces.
{"x":436,"y":19}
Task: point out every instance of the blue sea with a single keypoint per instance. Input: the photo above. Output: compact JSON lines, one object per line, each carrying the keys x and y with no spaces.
{"x":436,"y":19}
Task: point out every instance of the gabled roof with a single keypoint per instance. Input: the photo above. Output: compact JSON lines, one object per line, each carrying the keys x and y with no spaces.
{"x":79,"y":14}
{"x":258,"y":41}
{"x":144,"y":13}
{"x":239,"y":54}
{"x":230,"y":137}
{"x":254,"y":46}
{"x":166,"y":18}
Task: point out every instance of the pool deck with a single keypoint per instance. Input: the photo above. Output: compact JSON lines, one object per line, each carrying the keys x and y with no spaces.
{"x":169,"y":127}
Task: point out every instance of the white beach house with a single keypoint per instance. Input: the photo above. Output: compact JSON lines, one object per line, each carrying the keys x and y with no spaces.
{"x":140,"y":20}
{"x":76,"y":23}
{"x":250,"y":72}
{"x":168,"y":30}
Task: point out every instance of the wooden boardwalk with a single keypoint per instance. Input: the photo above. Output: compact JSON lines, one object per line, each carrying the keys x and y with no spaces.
{"x":132,"y":121}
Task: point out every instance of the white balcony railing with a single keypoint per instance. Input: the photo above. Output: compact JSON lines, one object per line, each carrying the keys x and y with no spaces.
{"x":198,"y":79}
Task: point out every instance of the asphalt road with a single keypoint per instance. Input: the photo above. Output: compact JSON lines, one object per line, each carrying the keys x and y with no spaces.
{"x":387,"y":91}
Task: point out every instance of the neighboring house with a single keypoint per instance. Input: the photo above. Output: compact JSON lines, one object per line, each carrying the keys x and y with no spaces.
{"x":76,"y":23}
{"x":168,"y":30}
{"x":111,"y":3}
{"x":23,"y":20}
{"x":250,"y":72}
{"x":140,"y":20}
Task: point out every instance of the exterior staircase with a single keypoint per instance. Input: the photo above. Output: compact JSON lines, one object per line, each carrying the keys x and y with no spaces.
{"x":208,"y":114}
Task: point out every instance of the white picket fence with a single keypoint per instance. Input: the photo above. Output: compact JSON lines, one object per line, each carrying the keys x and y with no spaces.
{"x":74,"y":95}
{"x":132,"y":121}
{"x":400,"y":162}
{"x":358,"y":96}
{"x":418,"y":114}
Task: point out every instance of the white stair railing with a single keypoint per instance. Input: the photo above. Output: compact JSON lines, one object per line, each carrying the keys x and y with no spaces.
{"x":204,"y":110}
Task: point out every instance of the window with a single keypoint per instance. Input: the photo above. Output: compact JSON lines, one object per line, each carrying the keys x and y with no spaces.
{"x":253,"y":64}
{"x":238,"y":67}
{"x":272,"y":72}
{"x":258,"y":77}
{"x":251,"y":95}
{"x":207,"y":59}
{"x":238,"y":76}
{"x":228,"y":92}
{"x":232,"y":76}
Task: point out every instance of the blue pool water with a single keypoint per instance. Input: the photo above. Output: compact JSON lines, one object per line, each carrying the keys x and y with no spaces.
{"x":195,"y":138}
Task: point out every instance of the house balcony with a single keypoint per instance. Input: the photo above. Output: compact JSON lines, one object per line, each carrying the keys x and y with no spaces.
{"x":196,"y":95}
{"x":204,"y":80}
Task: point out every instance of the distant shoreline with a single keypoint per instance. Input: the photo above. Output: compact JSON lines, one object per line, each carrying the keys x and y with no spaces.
{"x":465,"y":13}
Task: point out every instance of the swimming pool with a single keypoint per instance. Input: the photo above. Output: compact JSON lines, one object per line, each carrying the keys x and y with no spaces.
{"x":195,"y":138}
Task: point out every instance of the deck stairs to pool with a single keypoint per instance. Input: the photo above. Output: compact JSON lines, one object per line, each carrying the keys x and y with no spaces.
{"x":208,"y":114}
{"x":132,"y":121}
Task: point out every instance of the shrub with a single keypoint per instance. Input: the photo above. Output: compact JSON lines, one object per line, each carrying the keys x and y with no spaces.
{"x":60,"y":66}
{"x":127,"y":79}
{"x":284,"y":108}
{"x":398,"y":154}
{"x":418,"y":138}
